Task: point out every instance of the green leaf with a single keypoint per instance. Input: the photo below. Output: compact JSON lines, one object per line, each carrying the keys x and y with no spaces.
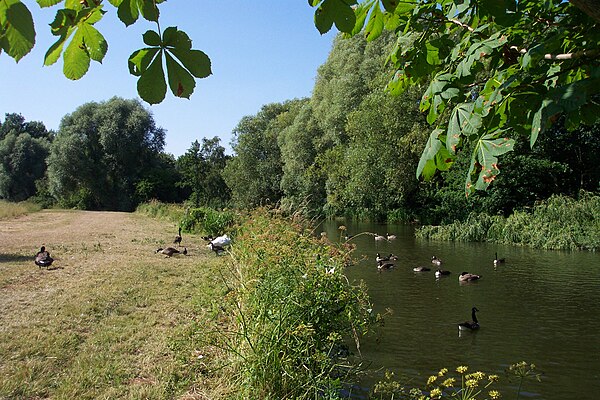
{"x":375,"y":24}
{"x":152,"y":86}
{"x":95,"y":44}
{"x":323,"y":19}
{"x":17,"y":33}
{"x":64,"y":20}
{"x":48,"y":3}
{"x":151,"y":38}
{"x":181,"y":82}
{"x":128,"y":12}
{"x":173,"y":37}
{"x":196,"y":61}
{"x":76,"y":59}
{"x":390,"y":5}
{"x":54,"y":52}
{"x":149,"y":10}
{"x":426,"y":165}
{"x":487,"y":150}
{"x":339,"y":12}
{"x":141,"y":59}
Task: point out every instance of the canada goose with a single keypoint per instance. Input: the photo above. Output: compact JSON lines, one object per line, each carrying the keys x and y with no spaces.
{"x":379,"y":238}
{"x":390,"y":237}
{"x":499,"y":260}
{"x":393,"y":257}
{"x":467,"y":277}
{"x":207,"y":238}
{"x":169,"y":251}
{"x":470,"y":326}
{"x":379,"y":258}
{"x":216,"y":248}
{"x":421,"y":269}
{"x":436,"y":261}
{"x":177,"y":240}
{"x":42,"y":258}
{"x":384,"y":265}
{"x":440,"y":272}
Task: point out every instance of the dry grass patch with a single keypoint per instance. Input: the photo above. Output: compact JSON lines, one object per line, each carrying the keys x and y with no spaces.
{"x":111,"y":318}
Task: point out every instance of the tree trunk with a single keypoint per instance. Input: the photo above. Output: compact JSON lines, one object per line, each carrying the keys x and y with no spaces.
{"x":590,"y":7}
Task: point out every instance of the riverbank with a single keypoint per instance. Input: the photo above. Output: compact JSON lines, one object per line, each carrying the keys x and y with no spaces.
{"x":110,"y":318}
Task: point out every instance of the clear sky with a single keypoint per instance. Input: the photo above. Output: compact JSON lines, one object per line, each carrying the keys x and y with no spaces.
{"x":262,"y":51}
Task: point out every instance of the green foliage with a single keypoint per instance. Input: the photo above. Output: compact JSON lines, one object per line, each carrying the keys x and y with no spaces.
{"x":101,"y":152}
{"x":502,"y":71}
{"x":201,"y":169}
{"x":560,"y":223}
{"x":160,"y":210}
{"x":295,"y":309}
{"x":207,"y":221}
{"x":80,"y":42}
{"x":22,"y":157}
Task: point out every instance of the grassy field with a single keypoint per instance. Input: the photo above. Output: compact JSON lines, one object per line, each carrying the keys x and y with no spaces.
{"x":111,"y":318}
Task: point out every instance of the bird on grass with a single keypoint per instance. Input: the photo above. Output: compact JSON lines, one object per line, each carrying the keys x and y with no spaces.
{"x":216,"y":248}
{"x":467,"y":277}
{"x":42,"y":258}
{"x":184,"y":252}
{"x":472,"y":325}
{"x":168,"y":252}
{"x":178,"y":238}
{"x":498,"y":260}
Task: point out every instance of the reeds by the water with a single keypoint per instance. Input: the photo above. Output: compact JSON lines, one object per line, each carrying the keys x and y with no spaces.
{"x":559,"y":223}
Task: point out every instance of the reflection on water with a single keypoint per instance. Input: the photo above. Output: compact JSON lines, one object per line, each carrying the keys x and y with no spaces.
{"x":539,"y":306}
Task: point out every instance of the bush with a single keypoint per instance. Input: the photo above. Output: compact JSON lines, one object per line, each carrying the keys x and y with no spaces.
{"x":11,"y":210}
{"x":295,"y":308}
{"x":207,"y":220}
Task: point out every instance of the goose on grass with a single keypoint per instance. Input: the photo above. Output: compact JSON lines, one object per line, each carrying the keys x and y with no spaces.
{"x":42,"y":258}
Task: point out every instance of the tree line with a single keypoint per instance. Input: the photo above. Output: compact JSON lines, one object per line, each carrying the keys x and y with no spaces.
{"x":351,"y":149}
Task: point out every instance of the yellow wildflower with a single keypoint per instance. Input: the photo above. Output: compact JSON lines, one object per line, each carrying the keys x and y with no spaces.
{"x":493,"y":378}
{"x":449,"y":382}
{"x":435,"y":393}
{"x":443,"y":372}
{"x":431,"y":379}
{"x":494,"y":394}
{"x":476,"y":375}
{"x":462,"y":369}
{"x":471,"y":383}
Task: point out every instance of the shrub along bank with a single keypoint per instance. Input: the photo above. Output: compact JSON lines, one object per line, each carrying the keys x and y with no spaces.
{"x":559,"y":223}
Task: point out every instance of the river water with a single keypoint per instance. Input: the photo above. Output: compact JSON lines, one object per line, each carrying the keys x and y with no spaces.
{"x":542,"y":307}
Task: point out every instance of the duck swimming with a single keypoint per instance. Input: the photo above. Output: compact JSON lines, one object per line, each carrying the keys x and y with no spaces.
{"x":470,"y":326}
{"x":467,"y":277}
{"x":498,"y":260}
{"x":381,"y":265}
{"x":421,"y":269}
{"x":440,"y":272}
{"x":436,"y":261}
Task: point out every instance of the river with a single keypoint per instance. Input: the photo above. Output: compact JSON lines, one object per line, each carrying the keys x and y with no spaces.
{"x":539,"y":306}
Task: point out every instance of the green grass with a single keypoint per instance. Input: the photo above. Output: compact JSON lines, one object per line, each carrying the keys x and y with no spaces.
{"x":11,"y":210}
{"x":106,"y":324}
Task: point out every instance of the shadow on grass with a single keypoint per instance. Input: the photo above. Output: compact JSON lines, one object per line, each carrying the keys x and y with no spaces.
{"x":15,"y":257}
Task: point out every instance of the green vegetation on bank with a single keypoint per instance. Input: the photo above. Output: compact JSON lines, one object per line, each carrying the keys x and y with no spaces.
{"x":11,"y":210}
{"x":297,"y":316}
{"x":559,"y":223}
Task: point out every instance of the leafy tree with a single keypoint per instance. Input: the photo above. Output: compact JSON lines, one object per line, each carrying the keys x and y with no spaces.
{"x":254,"y":174}
{"x":503,"y":69}
{"x":160,"y":181}
{"x":79,"y":42}
{"x":22,"y":164}
{"x":16,"y":123}
{"x":201,"y":169}
{"x":101,"y":152}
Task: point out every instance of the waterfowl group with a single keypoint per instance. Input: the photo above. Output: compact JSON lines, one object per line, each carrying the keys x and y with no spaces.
{"x":470,"y":325}
{"x":42,"y":258}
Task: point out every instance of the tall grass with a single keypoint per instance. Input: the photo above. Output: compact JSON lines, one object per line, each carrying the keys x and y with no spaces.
{"x":11,"y":210}
{"x":296,"y":311}
{"x":207,"y":221}
{"x":559,"y":223}
{"x":159,"y":210}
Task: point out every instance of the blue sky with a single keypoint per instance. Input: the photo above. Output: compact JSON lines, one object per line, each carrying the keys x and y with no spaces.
{"x":262,"y":51}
